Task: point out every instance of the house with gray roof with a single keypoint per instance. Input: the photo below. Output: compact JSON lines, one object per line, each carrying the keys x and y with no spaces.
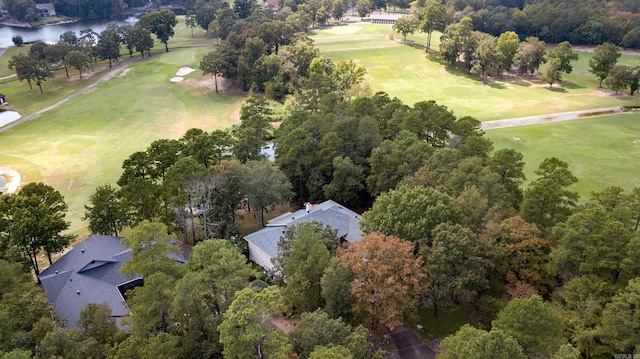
{"x":263,"y":244}
{"x":90,"y":273}
{"x":46,"y":10}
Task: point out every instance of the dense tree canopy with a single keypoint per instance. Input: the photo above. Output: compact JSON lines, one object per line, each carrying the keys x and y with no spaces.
{"x":33,"y":221}
{"x":387,"y":278}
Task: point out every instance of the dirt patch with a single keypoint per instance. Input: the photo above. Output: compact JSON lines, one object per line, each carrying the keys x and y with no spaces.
{"x":207,"y":83}
{"x":76,"y":77}
{"x":591,"y":49}
{"x":282,"y":323}
{"x":124,"y":73}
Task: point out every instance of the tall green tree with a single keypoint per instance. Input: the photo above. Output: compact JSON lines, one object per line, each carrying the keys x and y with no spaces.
{"x":304,"y":253}
{"x":604,"y":58}
{"x":215,"y":271}
{"x":548,"y":201}
{"x":591,"y":241}
{"x":364,"y":8}
{"x":621,"y":320}
{"x":152,"y":251}
{"x":97,"y":323}
{"x":78,"y":60}
{"x":150,"y":304}
{"x":394,"y":160}
{"x":254,"y":129}
{"x":472,"y":343}
{"x":581,"y":302}
{"x":242,"y":332}
{"x":620,"y":77}
{"x":507,"y":47}
{"x":346,"y":182}
{"x":109,"y":41}
{"x":22,"y":305}
{"x":406,"y":25}
{"x":433,"y":18}
{"x":565,"y":54}
{"x":30,"y":68}
{"x":457,"y":264}
{"x":34,"y":221}
{"x":531,"y":54}
{"x":410,"y":213}
{"x":534,"y":323}
{"x":553,"y":74}
{"x":509,"y":164}
{"x":486,"y":56}
{"x":161,"y":24}
{"x":335,"y":289}
{"x":265,"y":187}
{"x":316,"y":328}
{"x":105,"y":211}
{"x":212,"y":64}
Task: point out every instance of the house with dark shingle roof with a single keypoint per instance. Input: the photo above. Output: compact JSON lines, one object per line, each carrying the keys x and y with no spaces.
{"x":90,"y":273}
{"x":263,"y":244}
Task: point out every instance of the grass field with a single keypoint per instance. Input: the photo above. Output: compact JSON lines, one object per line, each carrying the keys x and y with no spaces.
{"x":446,"y":322}
{"x":601,"y":151}
{"x":405,"y":71}
{"x":82,"y":143}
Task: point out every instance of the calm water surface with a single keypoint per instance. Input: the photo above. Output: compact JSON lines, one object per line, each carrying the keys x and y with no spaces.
{"x":51,"y":33}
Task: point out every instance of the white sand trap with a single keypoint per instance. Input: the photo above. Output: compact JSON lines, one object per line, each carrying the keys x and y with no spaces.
{"x":6,"y":117}
{"x":14,"y":180}
{"x":176,"y":79}
{"x":184,"y":71}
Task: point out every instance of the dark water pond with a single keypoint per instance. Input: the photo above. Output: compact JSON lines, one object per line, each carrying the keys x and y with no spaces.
{"x":51,"y":33}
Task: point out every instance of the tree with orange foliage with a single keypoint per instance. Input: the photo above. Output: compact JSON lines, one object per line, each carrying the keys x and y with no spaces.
{"x":524,"y":251}
{"x":388,"y":278}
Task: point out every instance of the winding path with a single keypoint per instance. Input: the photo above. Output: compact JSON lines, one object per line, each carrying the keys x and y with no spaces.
{"x":102,"y":79}
{"x":552,"y":117}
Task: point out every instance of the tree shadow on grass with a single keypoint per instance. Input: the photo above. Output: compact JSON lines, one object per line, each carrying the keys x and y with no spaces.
{"x":416,"y":45}
{"x":571,"y":85}
{"x":434,"y":56}
{"x":557,"y":89}
{"x":495,"y":84}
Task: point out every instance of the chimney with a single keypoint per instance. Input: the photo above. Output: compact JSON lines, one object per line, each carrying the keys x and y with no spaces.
{"x":308,"y":206}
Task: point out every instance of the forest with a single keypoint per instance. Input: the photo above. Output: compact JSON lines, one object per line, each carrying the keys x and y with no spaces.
{"x":448,"y":223}
{"x":580,"y":22}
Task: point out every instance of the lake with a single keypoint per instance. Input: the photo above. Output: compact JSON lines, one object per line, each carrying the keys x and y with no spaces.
{"x":51,"y":33}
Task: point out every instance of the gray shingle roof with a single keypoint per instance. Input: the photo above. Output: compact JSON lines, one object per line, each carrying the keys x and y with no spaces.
{"x":88,"y":273}
{"x":330,"y":213}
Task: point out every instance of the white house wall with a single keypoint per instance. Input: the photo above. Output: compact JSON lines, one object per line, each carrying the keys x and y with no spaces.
{"x":258,"y":256}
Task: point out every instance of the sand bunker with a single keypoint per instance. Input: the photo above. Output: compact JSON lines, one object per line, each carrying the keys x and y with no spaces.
{"x":13,"y":182}
{"x":184,"y":71}
{"x":176,"y":79}
{"x":6,"y":117}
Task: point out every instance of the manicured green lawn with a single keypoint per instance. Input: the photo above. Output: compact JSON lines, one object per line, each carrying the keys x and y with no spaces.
{"x":81,"y":144}
{"x":4,"y":59}
{"x":445,"y":323}
{"x":405,"y":71}
{"x":601,"y":151}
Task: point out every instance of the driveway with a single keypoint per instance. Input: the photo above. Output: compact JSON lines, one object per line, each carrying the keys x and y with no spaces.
{"x":409,"y":344}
